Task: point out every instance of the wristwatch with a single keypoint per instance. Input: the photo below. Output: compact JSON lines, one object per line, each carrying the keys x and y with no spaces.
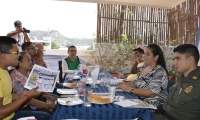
{"x":132,"y":89}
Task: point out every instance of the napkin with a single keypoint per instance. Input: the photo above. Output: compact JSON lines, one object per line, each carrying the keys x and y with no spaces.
{"x":126,"y":103}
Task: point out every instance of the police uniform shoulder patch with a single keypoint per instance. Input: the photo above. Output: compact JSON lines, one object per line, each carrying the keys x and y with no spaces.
{"x":188,"y":89}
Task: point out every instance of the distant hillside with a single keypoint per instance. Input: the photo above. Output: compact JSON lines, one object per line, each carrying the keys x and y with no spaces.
{"x":60,"y":39}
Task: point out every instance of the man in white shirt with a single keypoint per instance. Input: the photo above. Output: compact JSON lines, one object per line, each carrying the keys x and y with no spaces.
{"x":72,"y":61}
{"x":20,"y":34}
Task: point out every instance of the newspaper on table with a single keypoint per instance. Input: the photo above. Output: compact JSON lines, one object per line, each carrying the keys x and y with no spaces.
{"x":42,"y":77}
{"x":135,"y":103}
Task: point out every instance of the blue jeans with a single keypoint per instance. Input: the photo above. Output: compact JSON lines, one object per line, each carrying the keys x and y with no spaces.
{"x":39,"y":115}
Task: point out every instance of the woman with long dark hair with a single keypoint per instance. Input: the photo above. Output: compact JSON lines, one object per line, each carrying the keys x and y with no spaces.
{"x":151,"y":81}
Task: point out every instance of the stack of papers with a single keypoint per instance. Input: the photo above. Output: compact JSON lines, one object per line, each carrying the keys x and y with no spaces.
{"x":135,"y":103}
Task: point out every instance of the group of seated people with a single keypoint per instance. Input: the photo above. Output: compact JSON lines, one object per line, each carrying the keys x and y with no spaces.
{"x":37,"y":106}
{"x":150,"y":84}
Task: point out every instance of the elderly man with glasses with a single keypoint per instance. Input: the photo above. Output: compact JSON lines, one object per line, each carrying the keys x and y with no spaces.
{"x":32,"y":50}
{"x":40,"y":61}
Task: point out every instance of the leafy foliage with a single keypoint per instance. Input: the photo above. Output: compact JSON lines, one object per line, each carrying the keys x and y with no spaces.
{"x":112,"y":57}
{"x":54,"y":45}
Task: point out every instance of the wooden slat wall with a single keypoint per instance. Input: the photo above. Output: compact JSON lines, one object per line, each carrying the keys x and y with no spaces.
{"x":142,"y":25}
{"x":183,"y":22}
{"x":145,"y":25}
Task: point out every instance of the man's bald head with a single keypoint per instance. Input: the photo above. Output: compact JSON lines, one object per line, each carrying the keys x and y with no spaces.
{"x":39,"y":45}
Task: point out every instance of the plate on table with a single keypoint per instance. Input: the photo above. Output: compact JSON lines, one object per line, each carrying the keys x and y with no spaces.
{"x":67,"y":91}
{"x":69,"y":71}
{"x":70,"y":101}
{"x":90,"y":82}
{"x":76,"y":77}
{"x":70,"y":85}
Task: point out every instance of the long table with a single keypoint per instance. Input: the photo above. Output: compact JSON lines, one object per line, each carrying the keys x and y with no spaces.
{"x":102,"y":111}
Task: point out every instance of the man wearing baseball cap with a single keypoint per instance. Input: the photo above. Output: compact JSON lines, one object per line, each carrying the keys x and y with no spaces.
{"x":19,"y":34}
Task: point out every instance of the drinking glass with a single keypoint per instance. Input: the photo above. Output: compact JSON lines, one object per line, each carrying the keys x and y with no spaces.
{"x":102,"y":78}
{"x":70,"y":77}
{"x":87,"y":98}
{"x":111,"y":92}
{"x":94,"y":81}
{"x":84,"y":70}
{"x":107,"y":80}
{"x":81,"y":88}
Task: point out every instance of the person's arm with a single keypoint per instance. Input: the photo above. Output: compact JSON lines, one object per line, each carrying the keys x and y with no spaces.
{"x":83,"y":61}
{"x":15,"y":96}
{"x":11,"y":34}
{"x":158,"y":80}
{"x":138,"y":92}
{"x":134,"y":69}
{"x":41,"y":104}
{"x":127,"y":83}
{"x":64,"y":67}
{"x":27,"y":38}
{"x":48,"y":96}
{"x":6,"y":110}
{"x":40,"y":57}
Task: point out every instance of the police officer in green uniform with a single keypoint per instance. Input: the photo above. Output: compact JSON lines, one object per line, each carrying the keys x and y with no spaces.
{"x":183,"y":101}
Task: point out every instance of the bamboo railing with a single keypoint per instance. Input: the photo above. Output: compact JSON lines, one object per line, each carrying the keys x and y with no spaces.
{"x":144,"y":25}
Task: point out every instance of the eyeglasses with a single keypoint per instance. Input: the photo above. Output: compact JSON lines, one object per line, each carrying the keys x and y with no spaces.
{"x":33,"y":48}
{"x":13,"y":53}
{"x":40,"y":49}
{"x":72,"y":50}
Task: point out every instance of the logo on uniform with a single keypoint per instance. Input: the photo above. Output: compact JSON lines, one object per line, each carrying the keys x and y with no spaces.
{"x":188,"y":89}
{"x":194,"y":77}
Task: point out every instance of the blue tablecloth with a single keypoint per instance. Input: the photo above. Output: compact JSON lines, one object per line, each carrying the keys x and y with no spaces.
{"x":105,"y":111}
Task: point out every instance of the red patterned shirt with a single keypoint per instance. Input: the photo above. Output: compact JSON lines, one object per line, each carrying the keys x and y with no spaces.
{"x":18,"y":81}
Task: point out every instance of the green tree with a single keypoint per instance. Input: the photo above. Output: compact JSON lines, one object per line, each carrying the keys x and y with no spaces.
{"x":54,"y":45}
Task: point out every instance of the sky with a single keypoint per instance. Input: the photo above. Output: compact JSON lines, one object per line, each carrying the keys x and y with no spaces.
{"x":71,"y":19}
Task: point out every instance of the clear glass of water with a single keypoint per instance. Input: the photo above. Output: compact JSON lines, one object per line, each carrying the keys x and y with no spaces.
{"x":107,"y":79}
{"x":87,"y":98}
{"x":102,"y":78}
{"x":94,"y":81}
{"x":111,"y":92}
